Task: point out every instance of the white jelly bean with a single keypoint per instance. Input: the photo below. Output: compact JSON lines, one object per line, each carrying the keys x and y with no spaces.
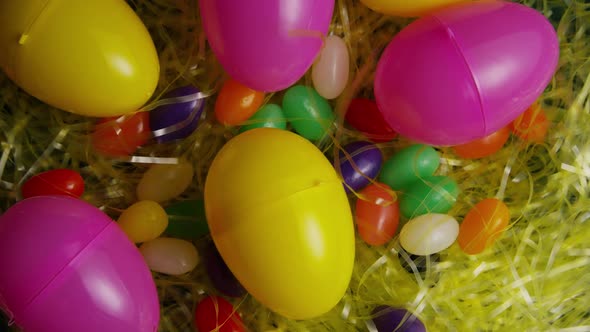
{"x":330,"y":72}
{"x":429,"y":234}
{"x":170,"y":256}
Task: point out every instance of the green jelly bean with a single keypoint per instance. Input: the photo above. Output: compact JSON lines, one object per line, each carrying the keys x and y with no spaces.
{"x":309,"y":113}
{"x":269,"y":116}
{"x":408,"y":165}
{"x":432,"y":194}
{"x":186,"y":220}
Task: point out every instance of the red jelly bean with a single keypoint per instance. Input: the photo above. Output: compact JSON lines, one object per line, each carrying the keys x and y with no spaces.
{"x":54,"y":182}
{"x":121,"y":136}
{"x":214,"y":313}
{"x":363,"y":115}
{"x":377,"y":214}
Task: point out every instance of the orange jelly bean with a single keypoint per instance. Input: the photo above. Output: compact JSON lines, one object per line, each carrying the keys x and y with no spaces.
{"x":236,"y":103}
{"x":485,"y":146}
{"x":121,"y":136}
{"x":482,"y":225}
{"x":377,"y":214}
{"x":532,"y":125}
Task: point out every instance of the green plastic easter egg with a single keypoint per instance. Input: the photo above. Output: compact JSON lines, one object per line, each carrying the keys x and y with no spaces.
{"x":268,"y":116}
{"x":408,"y":165}
{"x":187,"y":220}
{"x":433,"y":194}
{"x":309,"y":113}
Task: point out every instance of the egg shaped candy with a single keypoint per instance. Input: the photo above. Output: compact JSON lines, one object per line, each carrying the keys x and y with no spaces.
{"x":281,"y":220}
{"x":405,"y":8}
{"x":359,"y":164}
{"x":429,"y":234}
{"x":61,"y":181}
{"x":94,"y":58}
{"x":266,"y":45}
{"x":72,"y":269}
{"x":465,"y":71}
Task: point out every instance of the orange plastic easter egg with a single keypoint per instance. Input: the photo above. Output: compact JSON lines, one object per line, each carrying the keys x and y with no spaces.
{"x":532,"y":125}
{"x":485,"y":146}
{"x":482,"y":225}
{"x":377,"y":214}
{"x":236,"y":103}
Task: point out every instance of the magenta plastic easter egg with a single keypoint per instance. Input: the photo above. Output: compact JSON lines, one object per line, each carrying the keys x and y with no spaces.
{"x":266,"y":45}
{"x":72,"y":269}
{"x":466,"y":71}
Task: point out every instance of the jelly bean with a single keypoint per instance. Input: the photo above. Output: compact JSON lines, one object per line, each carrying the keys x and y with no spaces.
{"x":420,"y":263}
{"x":483,"y":147}
{"x":117,"y":137}
{"x":377,"y":214}
{"x":170,"y":256}
{"x":429,"y":233}
{"x":408,"y":165}
{"x":268,"y":116}
{"x":236,"y":103}
{"x":330,"y":72}
{"x":360,"y":166}
{"x":531,"y":125}
{"x":143,"y":221}
{"x":163,"y":182}
{"x":482,"y":225}
{"x":221,"y":276}
{"x":309,"y":113}
{"x":54,"y":182}
{"x":388,"y":319}
{"x":177,"y":120}
{"x":433,"y":194}
{"x":187,"y":220}
{"x":364,"y":116}
{"x":215,"y":314}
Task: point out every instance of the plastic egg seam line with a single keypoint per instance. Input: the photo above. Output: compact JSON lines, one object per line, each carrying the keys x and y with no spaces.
{"x":449,"y":31}
{"x":50,"y":281}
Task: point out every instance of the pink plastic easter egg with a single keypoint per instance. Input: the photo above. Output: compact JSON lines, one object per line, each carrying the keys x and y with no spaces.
{"x":466,"y":71}
{"x":266,"y":45}
{"x":66,"y":266}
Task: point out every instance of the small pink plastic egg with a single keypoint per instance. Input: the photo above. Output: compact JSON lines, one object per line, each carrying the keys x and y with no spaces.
{"x":266,"y":45}
{"x":66,"y":266}
{"x":466,"y":71}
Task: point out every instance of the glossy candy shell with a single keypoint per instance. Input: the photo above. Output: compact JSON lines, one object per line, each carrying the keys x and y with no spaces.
{"x":465,"y":71}
{"x":215,"y":314}
{"x":434,"y":194}
{"x":54,"y":182}
{"x":359,"y":165}
{"x":364,"y":115}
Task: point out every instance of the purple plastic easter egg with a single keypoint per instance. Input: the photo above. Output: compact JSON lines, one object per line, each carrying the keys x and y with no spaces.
{"x":68,"y":267}
{"x":387,"y":319}
{"x":362,"y":164}
{"x":466,"y":71}
{"x":177,"y":120}
{"x":266,"y":45}
{"x":221,"y":276}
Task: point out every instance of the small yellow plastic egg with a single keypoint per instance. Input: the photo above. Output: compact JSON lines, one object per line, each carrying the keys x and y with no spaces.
{"x":92,"y":57}
{"x":281,"y":220}
{"x":143,"y":221}
{"x":408,"y":8}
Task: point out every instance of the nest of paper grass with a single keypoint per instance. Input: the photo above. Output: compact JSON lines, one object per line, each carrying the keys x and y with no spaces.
{"x":536,"y":276}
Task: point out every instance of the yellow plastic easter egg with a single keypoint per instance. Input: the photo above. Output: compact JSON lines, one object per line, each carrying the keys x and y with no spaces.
{"x":92,"y":57}
{"x":280,"y":218}
{"x":408,"y":8}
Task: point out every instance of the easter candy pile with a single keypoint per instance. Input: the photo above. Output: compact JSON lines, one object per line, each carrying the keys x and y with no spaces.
{"x":301,"y":165}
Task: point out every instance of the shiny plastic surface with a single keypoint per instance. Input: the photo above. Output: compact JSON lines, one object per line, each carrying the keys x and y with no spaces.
{"x":72,"y":269}
{"x":280,"y":218}
{"x":465,"y":71}
{"x":93,"y":58}
{"x":267,"y":44}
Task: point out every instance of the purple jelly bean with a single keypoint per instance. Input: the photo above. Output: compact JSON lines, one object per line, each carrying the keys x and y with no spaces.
{"x":365,"y":164}
{"x":221,"y":276}
{"x":388,"y":319}
{"x":178,"y":120}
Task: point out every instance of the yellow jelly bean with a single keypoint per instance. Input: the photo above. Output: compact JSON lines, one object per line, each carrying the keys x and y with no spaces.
{"x":143,"y":221}
{"x":163,"y":182}
{"x":170,"y":256}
